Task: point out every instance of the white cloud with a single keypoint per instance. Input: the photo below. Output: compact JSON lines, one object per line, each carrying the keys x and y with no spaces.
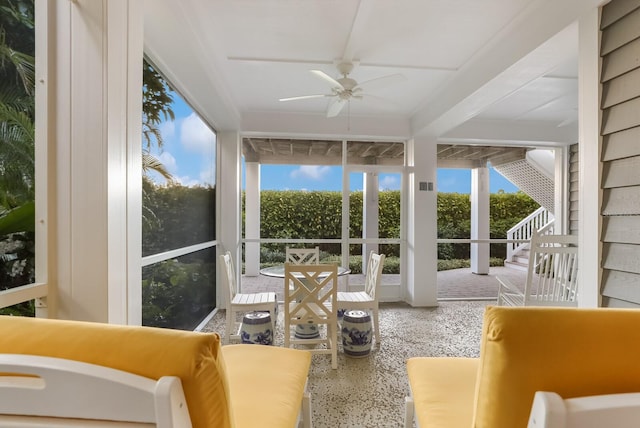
{"x":167,"y":130}
{"x":314,"y":172}
{"x":168,"y":161}
{"x":196,"y":136}
{"x":389,"y":182}
{"x":208,"y":176}
{"x":187,"y":181}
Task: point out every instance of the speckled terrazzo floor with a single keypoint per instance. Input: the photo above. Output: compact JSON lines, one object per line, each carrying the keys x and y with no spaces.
{"x":369,"y":392}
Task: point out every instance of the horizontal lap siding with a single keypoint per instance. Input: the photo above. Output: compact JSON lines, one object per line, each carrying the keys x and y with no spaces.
{"x":620,"y":157}
{"x":574,"y":169}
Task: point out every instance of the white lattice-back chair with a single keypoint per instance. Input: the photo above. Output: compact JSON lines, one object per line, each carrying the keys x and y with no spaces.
{"x":309,"y":298}
{"x":39,"y":392}
{"x":367,"y":299}
{"x":238,"y":303}
{"x":303,"y":256}
{"x":552,"y":274}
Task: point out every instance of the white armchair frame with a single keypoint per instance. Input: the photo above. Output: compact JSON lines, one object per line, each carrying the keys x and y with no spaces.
{"x":550,"y":410}
{"x":37,"y":392}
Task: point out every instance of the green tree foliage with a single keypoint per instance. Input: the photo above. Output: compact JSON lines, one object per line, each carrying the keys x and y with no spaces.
{"x":179,"y":293}
{"x":17,"y":87}
{"x":157,"y":100}
{"x":17,"y":144}
{"x":156,"y":105}
{"x":182,"y":216}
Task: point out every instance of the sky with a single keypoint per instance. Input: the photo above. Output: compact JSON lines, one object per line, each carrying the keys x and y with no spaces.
{"x":189,"y":148}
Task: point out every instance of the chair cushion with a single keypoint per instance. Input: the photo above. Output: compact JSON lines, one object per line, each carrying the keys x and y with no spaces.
{"x":443,"y":390}
{"x":266,"y":384}
{"x":151,"y":352}
{"x":574,"y":352}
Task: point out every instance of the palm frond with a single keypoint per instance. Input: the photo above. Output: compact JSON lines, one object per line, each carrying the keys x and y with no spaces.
{"x":23,"y":63}
{"x":151,"y":163}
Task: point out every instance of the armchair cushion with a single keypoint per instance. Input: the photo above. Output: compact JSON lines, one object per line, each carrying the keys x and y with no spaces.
{"x":442,"y":391}
{"x":151,"y":352}
{"x":256,"y":400}
{"x":574,"y":352}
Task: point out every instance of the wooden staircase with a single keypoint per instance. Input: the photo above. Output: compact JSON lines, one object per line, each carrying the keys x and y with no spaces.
{"x":541,"y":222}
{"x":520,"y":261}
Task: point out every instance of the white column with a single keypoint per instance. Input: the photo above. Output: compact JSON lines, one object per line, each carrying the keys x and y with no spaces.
{"x":422,"y":220}
{"x":252,"y":218}
{"x":480,"y":219}
{"x":561,"y":190}
{"x":589,"y":191}
{"x":369,"y":214}
{"x":95,"y":96}
{"x":228,"y":196}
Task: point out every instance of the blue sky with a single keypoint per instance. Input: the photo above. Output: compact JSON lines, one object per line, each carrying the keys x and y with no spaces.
{"x":277,"y":177}
{"x":189,"y":150}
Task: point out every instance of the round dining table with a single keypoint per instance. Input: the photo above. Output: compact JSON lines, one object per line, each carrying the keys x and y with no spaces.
{"x":278,"y":271}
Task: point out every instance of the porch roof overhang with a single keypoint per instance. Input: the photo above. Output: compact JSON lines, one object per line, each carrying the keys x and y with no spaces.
{"x":285,"y":151}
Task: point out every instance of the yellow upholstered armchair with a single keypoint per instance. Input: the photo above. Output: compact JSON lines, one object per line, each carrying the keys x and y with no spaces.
{"x":571,"y":351}
{"x":224,"y":386}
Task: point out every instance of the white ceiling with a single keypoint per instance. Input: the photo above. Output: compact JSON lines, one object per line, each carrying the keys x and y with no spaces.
{"x":498,"y":71}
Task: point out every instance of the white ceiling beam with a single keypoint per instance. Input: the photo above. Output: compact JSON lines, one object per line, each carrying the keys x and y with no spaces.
{"x":509,"y":132}
{"x":301,"y":125}
{"x":517,"y":56}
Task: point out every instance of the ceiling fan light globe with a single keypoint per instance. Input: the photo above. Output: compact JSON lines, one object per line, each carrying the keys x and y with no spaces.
{"x":347,"y":83}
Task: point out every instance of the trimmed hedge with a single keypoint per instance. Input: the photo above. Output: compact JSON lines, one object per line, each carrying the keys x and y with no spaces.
{"x":318,"y":215}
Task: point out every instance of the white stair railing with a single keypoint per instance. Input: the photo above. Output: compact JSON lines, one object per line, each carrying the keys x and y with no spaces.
{"x":518,"y":237}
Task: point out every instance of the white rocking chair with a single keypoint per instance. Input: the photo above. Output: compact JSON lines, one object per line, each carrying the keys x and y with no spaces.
{"x":552,"y":274}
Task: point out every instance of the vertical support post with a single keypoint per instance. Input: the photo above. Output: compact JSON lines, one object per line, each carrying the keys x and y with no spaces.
{"x":589,"y":190}
{"x":94,"y":128}
{"x":369,"y":214}
{"x":480,"y":219}
{"x":252,"y":219}
{"x":561,"y":190}
{"x":228,"y":201}
{"x":422,"y":221}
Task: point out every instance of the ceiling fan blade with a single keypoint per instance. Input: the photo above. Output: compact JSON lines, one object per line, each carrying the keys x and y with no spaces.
{"x":324,"y":76}
{"x":335,"y":107}
{"x":305,"y":97}
{"x":382,"y":102}
{"x":381,"y":82}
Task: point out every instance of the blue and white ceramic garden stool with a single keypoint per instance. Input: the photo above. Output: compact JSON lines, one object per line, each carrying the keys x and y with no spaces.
{"x":357,"y":333}
{"x":257,"y":328}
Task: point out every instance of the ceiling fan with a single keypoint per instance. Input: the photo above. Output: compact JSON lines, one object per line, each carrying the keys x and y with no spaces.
{"x":345,"y":88}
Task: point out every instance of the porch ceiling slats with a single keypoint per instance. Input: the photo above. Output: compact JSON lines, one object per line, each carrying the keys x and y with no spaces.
{"x":327,"y":152}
